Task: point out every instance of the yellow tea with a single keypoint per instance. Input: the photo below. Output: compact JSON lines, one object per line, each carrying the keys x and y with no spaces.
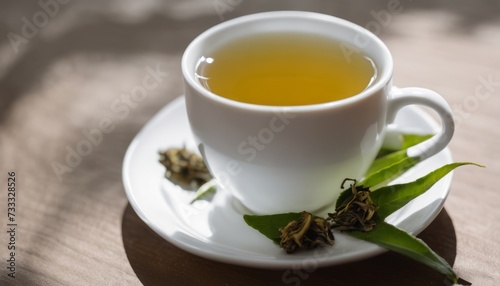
{"x":285,"y":69}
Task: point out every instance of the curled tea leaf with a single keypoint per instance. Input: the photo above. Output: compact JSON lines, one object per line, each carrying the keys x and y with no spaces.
{"x":356,"y":211}
{"x":185,"y":168}
{"x":306,"y":232}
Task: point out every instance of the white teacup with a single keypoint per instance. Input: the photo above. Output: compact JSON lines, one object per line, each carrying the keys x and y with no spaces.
{"x":294,"y":158}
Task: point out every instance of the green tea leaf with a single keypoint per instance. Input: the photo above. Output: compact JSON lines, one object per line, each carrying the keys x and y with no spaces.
{"x":397,"y":240}
{"x":269,"y":225}
{"x":392,"y":163}
{"x":404,"y":141}
{"x":385,"y":151}
{"x":413,"y":139}
{"x":391,"y":198}
{"x":397,"y":141}
{"x":385,"y":161}
{"x":206,"y":191}
{"x":391,"y":170}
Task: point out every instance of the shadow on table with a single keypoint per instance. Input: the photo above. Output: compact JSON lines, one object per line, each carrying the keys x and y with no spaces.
{"x":98,"y":31}
{"x":157,"y":262}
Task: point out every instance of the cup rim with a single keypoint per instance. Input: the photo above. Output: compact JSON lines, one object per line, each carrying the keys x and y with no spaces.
{"x":383,"y":78}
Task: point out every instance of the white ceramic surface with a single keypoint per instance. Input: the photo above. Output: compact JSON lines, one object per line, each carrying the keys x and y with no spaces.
{"x":278,"y":159}
{"x":217,"y":231}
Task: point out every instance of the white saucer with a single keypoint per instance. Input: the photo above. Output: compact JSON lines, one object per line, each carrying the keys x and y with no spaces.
{"x":216,"y":230}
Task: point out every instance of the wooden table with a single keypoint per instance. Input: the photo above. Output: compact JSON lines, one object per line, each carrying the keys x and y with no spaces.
{"x":65,"y":73}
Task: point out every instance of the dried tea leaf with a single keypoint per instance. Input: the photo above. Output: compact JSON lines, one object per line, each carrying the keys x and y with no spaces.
{"x":185,"y":168}
{"x":355,"y":211}
{"x":293,"y":231}
{"x":306,"y":232}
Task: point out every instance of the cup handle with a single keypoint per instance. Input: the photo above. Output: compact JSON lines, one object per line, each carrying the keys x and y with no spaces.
{"x":400,"y":97}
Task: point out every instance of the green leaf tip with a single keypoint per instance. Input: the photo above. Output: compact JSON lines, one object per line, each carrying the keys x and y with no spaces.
{"x":391,"y":198}
{"x":397,"y":240}
{"x":205,"y":192}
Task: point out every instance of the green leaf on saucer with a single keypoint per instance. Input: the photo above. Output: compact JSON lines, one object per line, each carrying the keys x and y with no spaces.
{"x":404,"y":141}
{"x":389,"y":165}
{"x":392,"y":163}
{"x":391,"y":198}
{"x":388,"y":199}
{"x":396,"y":164}
{"x":413,"y":139}
{"x":270,"y":225}
{"x":206,"y":191}
{"x":385,"y":161}
{"x":397,"y":240}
